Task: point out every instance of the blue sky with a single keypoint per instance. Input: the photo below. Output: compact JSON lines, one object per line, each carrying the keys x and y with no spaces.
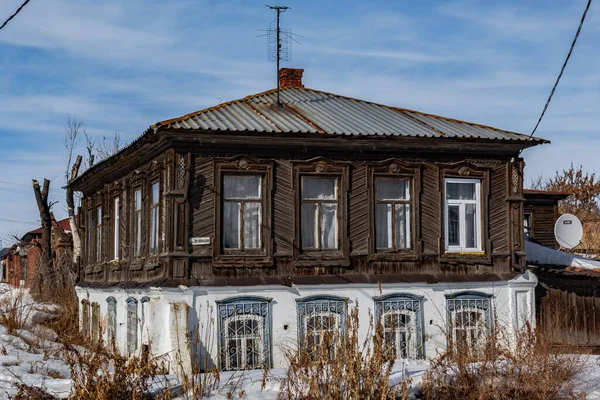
{"x":123,"y":65}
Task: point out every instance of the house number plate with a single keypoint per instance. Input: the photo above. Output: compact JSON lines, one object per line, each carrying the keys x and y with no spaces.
{"x":199,"y":241}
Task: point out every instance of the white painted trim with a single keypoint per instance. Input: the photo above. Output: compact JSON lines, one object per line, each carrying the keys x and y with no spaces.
{"x":462,"y":216}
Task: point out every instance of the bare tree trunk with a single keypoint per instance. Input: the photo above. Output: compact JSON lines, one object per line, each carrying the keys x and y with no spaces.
{"x":71,"y":210}
{"x":45,"y":278}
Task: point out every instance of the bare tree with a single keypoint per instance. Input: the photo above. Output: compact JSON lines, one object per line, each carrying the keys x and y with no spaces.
{"x":90,"y":146}
{"x":71,"y":172}
{"x":583,"y":189}
{"x":108,"y":148}
{"x":45,"y":283}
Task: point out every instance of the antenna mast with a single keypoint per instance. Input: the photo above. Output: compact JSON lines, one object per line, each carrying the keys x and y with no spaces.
{"x":278,"y":53}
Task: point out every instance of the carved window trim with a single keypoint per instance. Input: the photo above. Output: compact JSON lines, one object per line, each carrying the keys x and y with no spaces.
{"x":250,"y":167}
{"x":466,"y":170}
{"x":322,"y":167}
{"x":395,"y":168}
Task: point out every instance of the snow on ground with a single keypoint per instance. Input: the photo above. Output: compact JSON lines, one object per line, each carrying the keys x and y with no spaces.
{"x":28,"y":357}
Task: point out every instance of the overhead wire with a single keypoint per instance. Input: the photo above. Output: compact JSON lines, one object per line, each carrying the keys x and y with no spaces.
{"x":15,"y":14}
{"x":562,"y":70}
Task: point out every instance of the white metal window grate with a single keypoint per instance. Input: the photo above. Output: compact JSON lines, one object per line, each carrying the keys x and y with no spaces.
{"x":470,"y":319}
{"x":244,"y":333}
{"x":132,"y":326}
{"x":319,"y":316}
{"x":401,"y":316}
{"x":111,"y":322}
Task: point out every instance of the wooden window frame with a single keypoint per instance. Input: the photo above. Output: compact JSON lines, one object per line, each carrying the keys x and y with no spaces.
{"x":116,"y":227}
{"x":138,"y":250}
{"x":462,"y":248}
{"x":251,"y":257}
{"x":394,"y":168}
{"x":152,"y":205}
{"x":466,"y":170}
{"x":99,"y":228}
{"x":528,"y":229}
{"x":321,"y":167}
{"x":90,"y":236}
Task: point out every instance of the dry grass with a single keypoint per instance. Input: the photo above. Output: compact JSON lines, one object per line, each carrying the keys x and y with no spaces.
{"x":14,"y":312}
{"x":527,"y":368}
{"x":342,"y":367}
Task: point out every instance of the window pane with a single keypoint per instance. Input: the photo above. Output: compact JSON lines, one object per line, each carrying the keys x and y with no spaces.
{"x":383,"y":215}
{"x":138,"y":234}
{"x":117,"y":229}
{"x":453,"y":226}
{"x":252,"y":225}
{"x":155,"y":193}
{"x":471,"y":225}
{"x":309,"y":215}
{"x":460,"y":191}
{"x":231,"y":225}
{"x":138,"y":199}
{"x":329,"y":226}
{"x":391,"y":189}
{"x":154,"y":231}
{"x":402,"y":226}
{"x":319,"y":188}
{"x":241,"y":186}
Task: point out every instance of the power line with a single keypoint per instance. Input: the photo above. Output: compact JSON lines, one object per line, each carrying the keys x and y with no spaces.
{"x":18,"y":222}
{"x":27,"y":186}
{"x":15,"y":14}
{"x":563,"y":67}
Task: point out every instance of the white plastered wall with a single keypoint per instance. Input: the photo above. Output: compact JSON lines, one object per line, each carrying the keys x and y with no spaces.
{"x":513,"y":304}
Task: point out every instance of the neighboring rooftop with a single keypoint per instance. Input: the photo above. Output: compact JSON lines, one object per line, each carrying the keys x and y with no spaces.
{"x":4,"y":251}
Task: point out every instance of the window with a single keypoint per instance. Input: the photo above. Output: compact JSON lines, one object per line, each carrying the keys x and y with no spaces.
{"x":95,"y":322}
{"x":528,"y":226}
{"x":401,"y":316}
{"x":132,"y":327}
{"x":99,"y":234}
{"x":116,"y":230}
{"x":90,"y":237}
{"x":463,"y":215}
{"x":111,"y":322}
{"x":242,"y":212}
{"x":318,"y":317}
{"x":392,"y":213}
{"x":85,"y":318}
{"x":319,"y":214}
{"x":137,"y":222}
{"x":154,"y":212}
{"x":245,"y":333}
{"x":469,"y":317}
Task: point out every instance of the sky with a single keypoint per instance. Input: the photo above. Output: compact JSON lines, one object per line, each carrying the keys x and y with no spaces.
{"x":120,"y":66}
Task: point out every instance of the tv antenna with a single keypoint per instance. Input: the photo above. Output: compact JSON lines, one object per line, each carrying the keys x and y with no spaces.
{"x":279,"y":41}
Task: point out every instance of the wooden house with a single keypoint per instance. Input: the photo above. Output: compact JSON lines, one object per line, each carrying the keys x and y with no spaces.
{"x":541,"y":212}
{"x":280,"y":210}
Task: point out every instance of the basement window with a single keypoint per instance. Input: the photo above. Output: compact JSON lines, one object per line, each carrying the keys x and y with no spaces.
{"x":111,"y":322}
{"x":402,"y":318}
{"x":319,"y":214}
{"x":244,"y":333}
{"x":462,"y":215}
{"x":132,"y":326}
{"x":320,"y":320}
{"x":470,"y":319}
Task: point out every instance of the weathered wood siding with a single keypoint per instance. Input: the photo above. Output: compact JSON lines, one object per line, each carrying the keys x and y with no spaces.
{"x":543,"y":220}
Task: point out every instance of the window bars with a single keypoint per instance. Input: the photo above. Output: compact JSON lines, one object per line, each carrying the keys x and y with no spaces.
{"x":111,"y":322}
{"x":319,"y":316}
{"x":244,"y":332}
{"x":132,"y":326}
{"x":401,"y":316}
{"x":470,"y":319}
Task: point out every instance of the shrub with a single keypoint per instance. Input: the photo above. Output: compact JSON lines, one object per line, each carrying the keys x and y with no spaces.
{"x":525,"y":368}
{"x":341,"y":367}
{"x":15,"y":311}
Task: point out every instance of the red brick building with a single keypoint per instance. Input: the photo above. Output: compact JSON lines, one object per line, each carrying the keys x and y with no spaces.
{"x":22,"y":260}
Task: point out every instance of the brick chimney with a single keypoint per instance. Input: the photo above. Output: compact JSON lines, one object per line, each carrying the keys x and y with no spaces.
{"x":290,"y":78}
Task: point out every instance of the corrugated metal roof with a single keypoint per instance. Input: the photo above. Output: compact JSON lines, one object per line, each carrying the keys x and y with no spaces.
{"x":303,"y":110}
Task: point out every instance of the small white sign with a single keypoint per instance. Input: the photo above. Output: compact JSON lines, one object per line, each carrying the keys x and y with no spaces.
{"x":199,"y":241}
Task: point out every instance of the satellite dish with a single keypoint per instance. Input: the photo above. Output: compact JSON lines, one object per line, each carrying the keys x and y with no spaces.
{"x":568,"y":231}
